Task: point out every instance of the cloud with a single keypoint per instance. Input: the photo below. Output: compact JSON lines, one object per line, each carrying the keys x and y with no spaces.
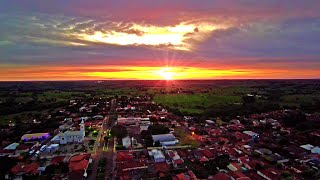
{"x":216,"y":34}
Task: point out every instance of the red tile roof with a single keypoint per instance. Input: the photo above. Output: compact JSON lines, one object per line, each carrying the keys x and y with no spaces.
{"x":79,"y":165}
{"x":180,"y":177}
{"x":124,"y":156}
{"x":57,"y":159}
{"x":271,"y":173}
{"x":243,"y":159}
{"x":238,"y":176}
{"x":6,"y":151}
{"x":79,"y":157}
{"x":178,"y":161}
{"x":162,"y":167}
{"x":207,"y":153}
{"x":204,"y":159}
{"x":171,"y":154}
{"x":25,"y":168}
{"x":221,"y":176}
{"x":192,"y":175}
{"x":24,"y":147}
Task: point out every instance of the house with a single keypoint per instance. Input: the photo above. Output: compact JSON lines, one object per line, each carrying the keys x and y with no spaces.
{"x":221,"y":176}
{"x":52,"y":148}
{"x":307,"y":147}
{"x":203,"y":159}
{"x":253,"y":135}
{"x":173,"y":154}
{"x":57,"y":160}
{"x":79,"y":163}
{"x":178,"y":163}
{"x":124,"y":156}
{"x":315,"y":150}
{"x":162,"y":167}
{"x":72,"y":136}
{"x":269,"y":174}
{"x":234,"y":167}
{"x":165,"y":139}
{"x":185,"y":176}
{"x":128,"y":142}
{"x":26,"y":147}
{"x":12,"y":146}
{"x":66,"y":126}
{"x":98,"y":117}
{"x":264,"y":151}
{"x":238,"y":176}
{"x":6,"y":152}
{"x":132,"y":121}
{"x":157,"y":155}
{"x":25,"y":169}
{"x":131,"y":169}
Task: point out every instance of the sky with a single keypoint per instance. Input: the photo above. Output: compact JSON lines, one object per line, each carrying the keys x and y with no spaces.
{"x":147,"y":39}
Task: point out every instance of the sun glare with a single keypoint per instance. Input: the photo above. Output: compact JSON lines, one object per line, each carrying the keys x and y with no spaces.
{"x":166,"y":73}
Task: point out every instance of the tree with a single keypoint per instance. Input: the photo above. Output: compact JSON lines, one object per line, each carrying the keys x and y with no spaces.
{"x":158,"y":129}
{"x":148,"y":140}
{"x":286,"y":174}
{"x":248,"y":99}
{"x":119,"y":131}
{"x":6,"y":164}
{"x":95,"y":133}
{"x":91,"y":142}
{"x":157,"y":144}
{"x":222,"y":161}
{"x":120,"y":147}
{"x":106,"y":138}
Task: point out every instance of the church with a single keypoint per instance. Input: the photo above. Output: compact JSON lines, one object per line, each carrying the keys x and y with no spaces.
{"x":72,"y":136}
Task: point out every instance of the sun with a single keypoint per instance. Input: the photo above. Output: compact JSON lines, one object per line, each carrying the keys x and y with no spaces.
{"x":166,"y":73}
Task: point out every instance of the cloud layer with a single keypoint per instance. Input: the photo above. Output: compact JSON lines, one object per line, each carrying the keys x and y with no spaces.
{"x":230,"y":36}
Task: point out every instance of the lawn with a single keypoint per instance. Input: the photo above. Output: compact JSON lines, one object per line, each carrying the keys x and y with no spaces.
{"x":59,"y":95}
{"x":301,"y":100}
{"x":195,"y":103}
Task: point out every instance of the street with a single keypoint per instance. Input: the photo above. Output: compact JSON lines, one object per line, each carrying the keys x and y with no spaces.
{"x":100,"y":152}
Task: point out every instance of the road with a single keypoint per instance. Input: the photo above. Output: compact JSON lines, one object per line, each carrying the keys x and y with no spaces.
{"x":109,"y":153}
{"x":100,"y":152}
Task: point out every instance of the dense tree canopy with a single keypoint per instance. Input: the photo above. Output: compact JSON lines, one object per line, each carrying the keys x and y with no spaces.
{"x":119,"y":131}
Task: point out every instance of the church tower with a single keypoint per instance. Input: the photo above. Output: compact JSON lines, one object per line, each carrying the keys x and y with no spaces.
{"x":82,"y":129}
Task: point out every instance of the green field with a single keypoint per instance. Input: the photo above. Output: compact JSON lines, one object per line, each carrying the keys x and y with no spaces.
{"x":195,"y":103}
{"x":230,"y":99}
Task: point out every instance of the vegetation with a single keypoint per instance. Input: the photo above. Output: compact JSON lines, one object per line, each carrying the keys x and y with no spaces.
{"x":234,"y":100}
{"x":195,"y":103}
{"x":25,"y":101}
{"x":119,"y":131}
{"x":158,"y":129}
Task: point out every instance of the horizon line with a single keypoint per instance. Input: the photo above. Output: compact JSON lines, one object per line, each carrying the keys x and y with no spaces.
{"x":4,"y":81}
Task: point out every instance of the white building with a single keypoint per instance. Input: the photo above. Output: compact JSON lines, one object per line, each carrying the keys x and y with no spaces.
{"x":165,"y":139}
{"x":252,"y":134}
{"x":52,"y":148}
{"x":157,"y":155}
{"x":12,"y":146}
{"x":72,"y":136}
{"x":128,"y":142}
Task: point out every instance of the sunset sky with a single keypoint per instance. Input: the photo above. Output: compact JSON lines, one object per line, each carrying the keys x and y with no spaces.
{"x":153,"y":39}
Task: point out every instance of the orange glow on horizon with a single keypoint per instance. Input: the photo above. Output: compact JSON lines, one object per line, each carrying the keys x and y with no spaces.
{"x":21,"y":73}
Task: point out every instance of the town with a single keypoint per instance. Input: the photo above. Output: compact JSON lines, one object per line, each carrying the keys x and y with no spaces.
{"x":132,"y":137}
